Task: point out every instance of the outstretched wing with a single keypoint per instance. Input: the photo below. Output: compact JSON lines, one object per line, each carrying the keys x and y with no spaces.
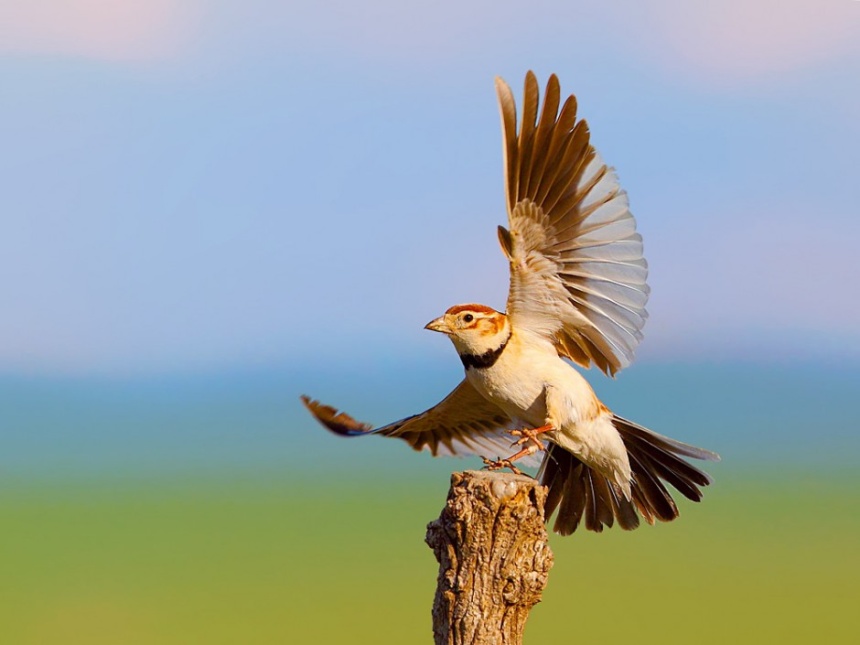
{"x":577,"y":272}
{"x":464,"y":423}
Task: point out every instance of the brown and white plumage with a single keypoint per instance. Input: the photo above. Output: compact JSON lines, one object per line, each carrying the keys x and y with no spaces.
{"x":577,"y":291}
{"x":464,"y":422}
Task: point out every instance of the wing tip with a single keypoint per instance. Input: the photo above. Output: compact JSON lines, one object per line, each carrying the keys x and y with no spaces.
{"x":503,"y":91}
{"x":531,"y":80}
{"x":338,"y":422}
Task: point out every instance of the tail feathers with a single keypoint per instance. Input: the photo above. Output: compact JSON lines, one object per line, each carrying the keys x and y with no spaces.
{"x":581,"y":494}
{"x":628,"y":428}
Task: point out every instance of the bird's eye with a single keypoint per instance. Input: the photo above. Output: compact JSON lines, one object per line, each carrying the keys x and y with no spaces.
{"x":468,"y":318}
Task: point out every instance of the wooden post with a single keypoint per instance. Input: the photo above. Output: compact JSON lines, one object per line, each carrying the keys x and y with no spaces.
{"x":494,"y":559}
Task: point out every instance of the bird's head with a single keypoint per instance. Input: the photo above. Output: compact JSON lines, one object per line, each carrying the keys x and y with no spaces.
{"x":474,"y":329}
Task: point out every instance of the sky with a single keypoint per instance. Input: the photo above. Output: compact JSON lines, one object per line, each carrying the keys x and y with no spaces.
{"x":203,"y":185}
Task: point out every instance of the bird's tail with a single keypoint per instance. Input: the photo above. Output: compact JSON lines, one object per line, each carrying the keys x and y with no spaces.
{"x":581,"y":493}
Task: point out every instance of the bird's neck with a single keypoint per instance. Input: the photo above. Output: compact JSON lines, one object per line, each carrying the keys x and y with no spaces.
{"x":484,"y":360}
{"x":480,"y":351}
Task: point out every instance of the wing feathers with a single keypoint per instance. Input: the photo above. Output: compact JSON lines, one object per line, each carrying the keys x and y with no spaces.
{"x":558,"y":146}
{"x":577,"y":271}
{"x":570,"y":205}
{"x":620,"y":273}
{"x":527,"y":133}
{"x":508,"y":111}
{"x":338,"y":422}
{"x":463,"y":423}
{"x":625,"y":300}
{"x":608,"y":289}
{"x":540,"y":155}
{"x":576,"y":156}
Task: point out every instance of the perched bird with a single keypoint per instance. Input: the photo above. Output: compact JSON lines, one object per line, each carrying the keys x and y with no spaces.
{"x":577,"y":292}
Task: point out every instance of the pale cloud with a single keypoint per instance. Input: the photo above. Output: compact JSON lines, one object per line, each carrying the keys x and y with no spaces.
{"x":743,"y":40}
{"x":709,"y":41}
{"x":715,"y":39}
{"x":113,"y":30}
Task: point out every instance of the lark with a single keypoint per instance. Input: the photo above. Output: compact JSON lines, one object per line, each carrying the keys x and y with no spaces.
{"x":578,"y":290}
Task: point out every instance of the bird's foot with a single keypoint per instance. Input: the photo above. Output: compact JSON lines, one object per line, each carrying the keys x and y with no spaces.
{"x":530,"y":435}
{"x":528,"y":438}
{"x":499,"y":464}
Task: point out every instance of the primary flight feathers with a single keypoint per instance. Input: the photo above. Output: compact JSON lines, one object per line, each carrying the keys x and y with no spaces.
{"x":577,"y":271}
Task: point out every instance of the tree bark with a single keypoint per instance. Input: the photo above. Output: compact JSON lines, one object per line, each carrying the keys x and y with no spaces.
{"x":494,"y":559}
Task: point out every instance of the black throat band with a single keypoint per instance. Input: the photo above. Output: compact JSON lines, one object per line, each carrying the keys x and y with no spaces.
{"x":485,"y":360}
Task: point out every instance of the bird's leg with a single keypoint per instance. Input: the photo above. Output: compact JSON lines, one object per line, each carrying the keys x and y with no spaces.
{"x":531,"y":434}
{"x":526,"y":435}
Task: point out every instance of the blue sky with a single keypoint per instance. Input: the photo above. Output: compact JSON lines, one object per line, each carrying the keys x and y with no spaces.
{"x":188,"y":185}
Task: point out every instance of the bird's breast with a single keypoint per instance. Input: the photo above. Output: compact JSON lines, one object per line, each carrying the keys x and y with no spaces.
{"x":517,"y":381}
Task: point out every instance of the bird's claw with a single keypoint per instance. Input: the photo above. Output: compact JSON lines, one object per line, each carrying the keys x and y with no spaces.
{"x":524,"y":437}
{"x":499,"y":464}
{"x":528,"y":435}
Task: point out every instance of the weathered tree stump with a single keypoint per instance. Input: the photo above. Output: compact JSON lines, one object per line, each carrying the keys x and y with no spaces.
{"x":494,"y":559}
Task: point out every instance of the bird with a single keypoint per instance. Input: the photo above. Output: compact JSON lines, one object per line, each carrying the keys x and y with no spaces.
{"x":577,"y":296}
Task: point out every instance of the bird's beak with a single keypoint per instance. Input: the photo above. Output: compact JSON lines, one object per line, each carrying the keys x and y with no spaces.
{"x":438,"y":325}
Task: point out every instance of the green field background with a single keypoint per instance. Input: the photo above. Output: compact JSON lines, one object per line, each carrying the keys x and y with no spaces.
{"x":213,"y":510}
{"x":767,"y":558}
